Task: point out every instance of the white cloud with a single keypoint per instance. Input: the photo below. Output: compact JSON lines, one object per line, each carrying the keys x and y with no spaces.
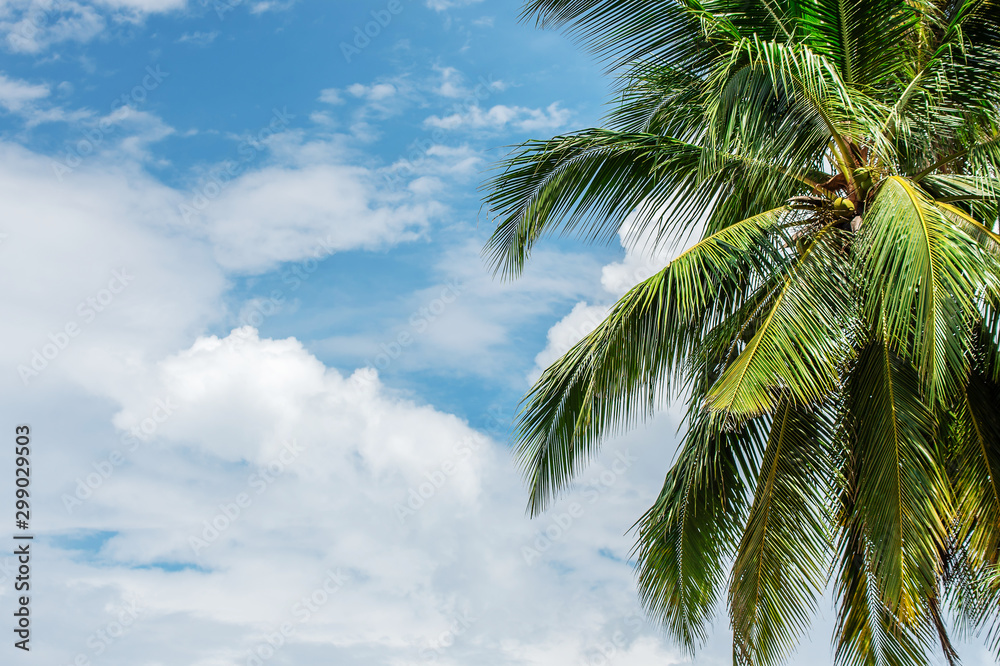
{"x":30,"y":102}
{"x":31,"y":26}
{"x":501,"y":117}
{"x":565,"y":333}
{"x":263,"y":6}
{"x":286,"y":213}
{"x":307,"y":200}
{"x":460,"y":163}
{"x":323,"y":119}
{"x":138,"y":130}
{"x":376,"y":92}
{"x":451,"y":83}
{"x":16,"y":94}
{"x":420,"y":514}
{"x":331,"y":96}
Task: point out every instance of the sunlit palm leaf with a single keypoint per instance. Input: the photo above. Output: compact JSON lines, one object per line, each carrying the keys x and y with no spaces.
{"x":925,"y":276}
{"x":801,"y":341}
{"x":619,"y":372}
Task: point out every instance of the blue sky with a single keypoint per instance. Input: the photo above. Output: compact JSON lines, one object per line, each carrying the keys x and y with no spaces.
{"x":269,"y":374}
{"x":435,"y":96}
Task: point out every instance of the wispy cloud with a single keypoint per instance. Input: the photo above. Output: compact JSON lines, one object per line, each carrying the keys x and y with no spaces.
{"x":198,"y":38}
{"x":16,"y":95}
{"x":501,"y":117}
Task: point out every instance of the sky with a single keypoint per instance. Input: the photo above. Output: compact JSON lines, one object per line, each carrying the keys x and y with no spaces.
{"x":268,"y":376}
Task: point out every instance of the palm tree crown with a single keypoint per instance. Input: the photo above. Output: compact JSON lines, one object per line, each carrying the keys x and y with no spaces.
{"x":835,"y":330}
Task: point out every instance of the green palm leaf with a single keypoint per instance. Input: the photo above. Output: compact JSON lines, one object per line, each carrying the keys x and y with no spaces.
{"x":841,"y":312}
{"x":623,"y":369}
{"x":926,"y":276}
{"x":902,"y":502}
{"x":781,"y":563}
{"x":800,"y":343}
{"x":686,"y":536}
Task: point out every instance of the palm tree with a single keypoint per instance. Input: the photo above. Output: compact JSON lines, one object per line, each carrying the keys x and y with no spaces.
{"x":835,"y":331}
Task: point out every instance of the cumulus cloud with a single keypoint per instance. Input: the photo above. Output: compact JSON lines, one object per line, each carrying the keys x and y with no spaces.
{"x":267,"y":453}
{"x":280,"y":214}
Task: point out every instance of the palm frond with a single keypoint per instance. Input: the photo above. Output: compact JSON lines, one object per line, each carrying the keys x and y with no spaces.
{"x":781,"y":564}
{"x":623,"y":370}
{"x":687,"y":535}
{"x":924,"y":277}
{"x":901,"y":501}
{"x":801,"y":340}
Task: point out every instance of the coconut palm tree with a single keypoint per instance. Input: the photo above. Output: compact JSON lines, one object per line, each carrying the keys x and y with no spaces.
{"x":835,"y":332}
